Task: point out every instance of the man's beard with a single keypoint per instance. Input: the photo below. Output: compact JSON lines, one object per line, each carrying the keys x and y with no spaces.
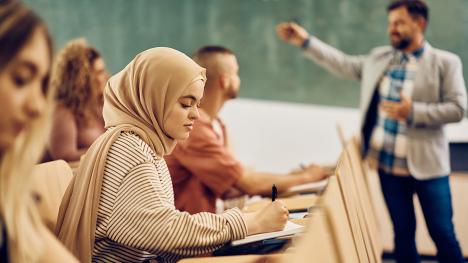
{"x":403,"y":43}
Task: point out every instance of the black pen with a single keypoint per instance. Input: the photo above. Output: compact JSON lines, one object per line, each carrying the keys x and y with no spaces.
{"x":274,"y":192}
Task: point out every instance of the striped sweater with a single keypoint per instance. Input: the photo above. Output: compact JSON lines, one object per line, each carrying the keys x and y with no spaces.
{"x":137,"y":219}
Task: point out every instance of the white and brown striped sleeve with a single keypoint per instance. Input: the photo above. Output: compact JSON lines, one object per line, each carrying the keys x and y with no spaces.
{"x":144,"y":219}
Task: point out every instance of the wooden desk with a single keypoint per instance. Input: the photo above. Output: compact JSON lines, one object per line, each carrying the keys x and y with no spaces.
{"x":50,"y":180}
{"x":294,"y":203}
{"x":300,"y":221}
{"x":235,"y":259}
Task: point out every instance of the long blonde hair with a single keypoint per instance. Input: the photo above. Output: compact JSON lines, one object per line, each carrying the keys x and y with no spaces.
{"x":17,"y":207}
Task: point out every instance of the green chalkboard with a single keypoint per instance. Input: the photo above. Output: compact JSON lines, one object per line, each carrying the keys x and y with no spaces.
{"x":269,"y":68}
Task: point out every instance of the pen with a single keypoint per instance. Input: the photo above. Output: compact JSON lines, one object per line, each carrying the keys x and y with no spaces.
{"x":274,"y":192}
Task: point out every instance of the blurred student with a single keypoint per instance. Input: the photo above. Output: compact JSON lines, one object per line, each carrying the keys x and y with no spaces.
{"x":410,"y":90}
{"x":79,"y":75}
{"x":120,"y":205}
{"x":25,"y":103}
{"x":203,"y":167}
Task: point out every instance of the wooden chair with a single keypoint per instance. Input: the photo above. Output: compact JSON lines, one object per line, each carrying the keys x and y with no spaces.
{"x":364,"y":200}
{"x":329,"y":237}
{"x":353,"y":209}
{"x":50,"y":180}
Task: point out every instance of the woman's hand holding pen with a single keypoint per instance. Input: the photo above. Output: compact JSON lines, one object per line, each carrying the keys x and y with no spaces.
{"x":292,"y":33}
{"x":269,"y":219}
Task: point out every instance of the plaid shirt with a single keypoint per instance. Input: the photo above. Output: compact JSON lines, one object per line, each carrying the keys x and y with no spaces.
{"x":388,"y":141}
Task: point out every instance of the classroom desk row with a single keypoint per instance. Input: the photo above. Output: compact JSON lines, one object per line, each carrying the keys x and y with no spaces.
{"x":341,"y":226}
{"x":347,"y":223}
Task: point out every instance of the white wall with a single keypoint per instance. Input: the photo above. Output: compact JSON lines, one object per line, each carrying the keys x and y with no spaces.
{"x":278,"y":136}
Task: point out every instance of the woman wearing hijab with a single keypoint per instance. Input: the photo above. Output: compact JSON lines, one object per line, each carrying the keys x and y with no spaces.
{"x":120,"y":206}
{"x":25,"y":104}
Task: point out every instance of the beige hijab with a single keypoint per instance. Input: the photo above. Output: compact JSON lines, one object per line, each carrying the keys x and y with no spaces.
{"x":136,"y":99}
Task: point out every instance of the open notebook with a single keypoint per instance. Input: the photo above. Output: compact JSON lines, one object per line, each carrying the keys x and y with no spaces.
{"x":289,"y":229}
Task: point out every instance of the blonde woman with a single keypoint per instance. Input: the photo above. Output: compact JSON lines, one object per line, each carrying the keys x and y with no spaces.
{"x":25,"y":54}
{"x":79,"y":75}
{"x":120,"y":205}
